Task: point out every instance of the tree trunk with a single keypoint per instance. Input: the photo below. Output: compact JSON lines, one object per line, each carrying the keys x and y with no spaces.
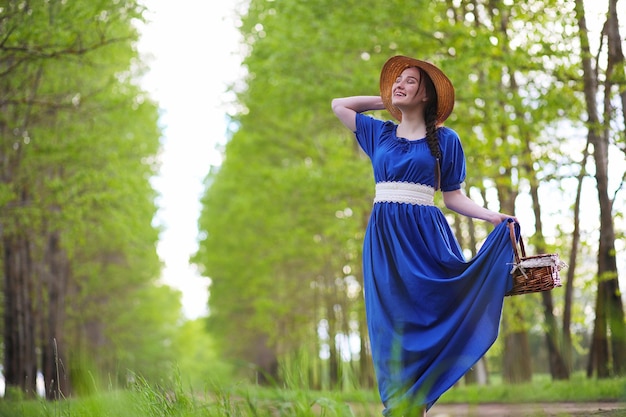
{"x":334,"y":354}
{"x":609,"y":309}
{"x":568,"y":349}
{"x":265,"y":361}
{"x":558,"y":367}
{"x":616,"y":77}
{"x":599,"y":351}
{"x":477,"y":374}
{"x":616,"y":55}
{"x":53,"y":359}
{"x":367,"y":378}
{"x":366,"y":363}
{"x":517,"y":367}
{"x":20,"y":357}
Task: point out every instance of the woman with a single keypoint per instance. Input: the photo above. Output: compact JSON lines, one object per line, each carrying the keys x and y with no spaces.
{"x":431,"y":314}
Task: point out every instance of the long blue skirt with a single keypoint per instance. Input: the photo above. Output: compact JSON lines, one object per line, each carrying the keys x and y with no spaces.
{"x":431,"y":313}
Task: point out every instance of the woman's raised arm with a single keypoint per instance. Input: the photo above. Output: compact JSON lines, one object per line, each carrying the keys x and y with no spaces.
{"x":346,"y":108}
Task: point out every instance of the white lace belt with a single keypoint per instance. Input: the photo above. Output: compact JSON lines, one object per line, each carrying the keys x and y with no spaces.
{"x":404,"y":192}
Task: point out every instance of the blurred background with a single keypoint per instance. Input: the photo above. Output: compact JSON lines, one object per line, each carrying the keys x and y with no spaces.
{"x":176,"y":195}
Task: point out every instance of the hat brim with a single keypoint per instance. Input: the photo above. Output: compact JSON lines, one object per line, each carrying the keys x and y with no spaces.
{"x":394,"y":67}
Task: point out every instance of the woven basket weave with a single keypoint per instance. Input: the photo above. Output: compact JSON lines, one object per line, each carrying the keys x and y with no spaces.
{"x":533,"y":273}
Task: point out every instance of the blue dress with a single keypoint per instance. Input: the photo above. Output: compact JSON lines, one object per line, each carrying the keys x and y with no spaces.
{"x":431,"y":313}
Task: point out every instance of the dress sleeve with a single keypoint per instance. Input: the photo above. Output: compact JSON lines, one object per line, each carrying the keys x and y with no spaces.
{"x":367,"y":132}
{"x":453,"y":160}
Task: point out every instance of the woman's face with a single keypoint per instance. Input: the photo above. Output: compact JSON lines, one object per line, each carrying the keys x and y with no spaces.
{"x":407,"y":89}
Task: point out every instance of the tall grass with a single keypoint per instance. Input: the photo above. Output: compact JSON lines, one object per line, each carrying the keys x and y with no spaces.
{"x":171,"y":399}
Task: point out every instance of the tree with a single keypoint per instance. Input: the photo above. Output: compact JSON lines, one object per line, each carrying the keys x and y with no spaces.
{"x":515,"y":100}
{"x":76,"y":224}
{"x":609,"y":333}
{"x":283,"y":216}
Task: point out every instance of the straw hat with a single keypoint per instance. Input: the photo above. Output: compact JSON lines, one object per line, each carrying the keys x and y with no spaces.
{"x":394,"y":67}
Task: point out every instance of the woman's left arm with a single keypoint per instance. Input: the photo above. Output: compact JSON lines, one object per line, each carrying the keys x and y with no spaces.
{"x":462,"y":204}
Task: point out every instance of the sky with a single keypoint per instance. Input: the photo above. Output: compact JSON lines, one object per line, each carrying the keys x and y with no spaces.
{"x":191,"y":49}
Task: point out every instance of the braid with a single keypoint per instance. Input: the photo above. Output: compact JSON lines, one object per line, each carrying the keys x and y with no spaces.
{"x":432,"y":138}
{"x":430,"y":117}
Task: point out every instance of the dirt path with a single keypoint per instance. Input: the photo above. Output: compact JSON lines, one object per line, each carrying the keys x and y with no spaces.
{"x":604,"y":409}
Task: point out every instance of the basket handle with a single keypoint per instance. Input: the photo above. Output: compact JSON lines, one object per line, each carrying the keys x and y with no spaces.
{"x":514,"y":243}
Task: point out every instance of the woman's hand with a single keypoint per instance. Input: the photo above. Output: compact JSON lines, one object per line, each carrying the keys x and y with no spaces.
{"x":498,"y":218}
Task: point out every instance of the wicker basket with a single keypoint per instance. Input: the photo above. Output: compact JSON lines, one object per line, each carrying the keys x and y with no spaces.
{"x":533,"y":273}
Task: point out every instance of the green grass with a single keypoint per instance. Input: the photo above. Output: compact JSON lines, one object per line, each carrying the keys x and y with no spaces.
{"x":146,"y":400}
{"x":541,"y":390}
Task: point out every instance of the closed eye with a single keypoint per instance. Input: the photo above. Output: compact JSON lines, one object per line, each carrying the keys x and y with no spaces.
{"x":409,"y":80}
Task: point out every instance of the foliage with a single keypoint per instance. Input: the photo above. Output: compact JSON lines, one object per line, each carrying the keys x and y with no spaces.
{"x":196,"y":358}
{"x":79,"y":141}
{"x":283,"y":217}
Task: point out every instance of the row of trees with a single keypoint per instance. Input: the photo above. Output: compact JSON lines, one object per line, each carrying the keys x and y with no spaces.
{"x":283,"y":216}
{"x":538,"y":109}
{"x":79,"y":142}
